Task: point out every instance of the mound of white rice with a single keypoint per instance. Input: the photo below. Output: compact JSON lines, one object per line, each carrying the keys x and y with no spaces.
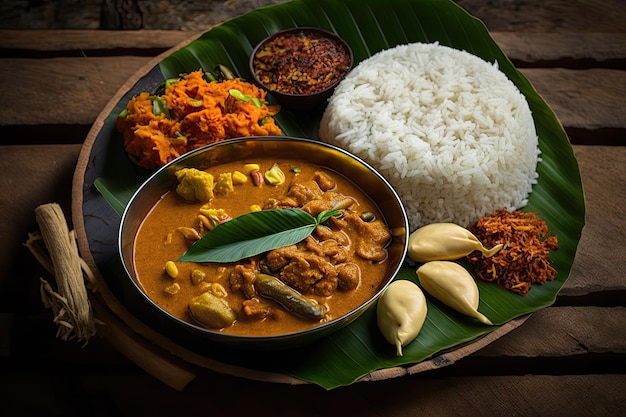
{"x":450,"y":132}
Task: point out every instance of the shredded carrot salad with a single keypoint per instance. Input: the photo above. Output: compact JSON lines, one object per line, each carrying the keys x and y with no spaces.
{"x":524,"y":258}
{"x":192,"y":113}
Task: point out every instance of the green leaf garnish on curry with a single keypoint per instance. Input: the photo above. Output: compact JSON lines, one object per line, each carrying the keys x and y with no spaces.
{"x":253,"y":233}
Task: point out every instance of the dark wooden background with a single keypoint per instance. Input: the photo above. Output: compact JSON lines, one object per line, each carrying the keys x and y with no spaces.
{"x":569,"y":359}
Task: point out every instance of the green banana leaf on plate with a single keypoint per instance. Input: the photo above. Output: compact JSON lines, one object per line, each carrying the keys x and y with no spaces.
{"x":370,"y":26}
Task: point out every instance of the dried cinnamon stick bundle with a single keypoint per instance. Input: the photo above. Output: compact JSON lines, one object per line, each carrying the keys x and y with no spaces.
{"x":70,"y":302}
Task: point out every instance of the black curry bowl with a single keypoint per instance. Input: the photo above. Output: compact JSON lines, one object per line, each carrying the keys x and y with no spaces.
{"x":331,"y":157}
{"x":300,"y":66}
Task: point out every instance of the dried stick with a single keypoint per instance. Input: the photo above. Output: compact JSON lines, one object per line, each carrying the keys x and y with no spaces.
{"x":70,"y":303}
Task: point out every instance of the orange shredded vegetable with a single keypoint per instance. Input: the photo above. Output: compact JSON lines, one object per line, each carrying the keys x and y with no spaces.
{"x":200,"y":113}
{"x":524,"y":258}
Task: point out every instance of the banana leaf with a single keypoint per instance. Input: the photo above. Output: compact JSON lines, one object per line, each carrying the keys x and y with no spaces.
{"x":370,"y":26}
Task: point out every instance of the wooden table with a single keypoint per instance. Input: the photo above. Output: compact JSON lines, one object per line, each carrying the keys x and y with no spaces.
{"x":568,"y":359}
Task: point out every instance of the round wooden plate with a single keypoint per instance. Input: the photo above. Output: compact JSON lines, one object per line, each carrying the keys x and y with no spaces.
{"x":172,"y":362}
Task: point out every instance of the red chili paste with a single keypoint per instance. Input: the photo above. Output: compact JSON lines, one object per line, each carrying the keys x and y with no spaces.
{"x":301,"y":63}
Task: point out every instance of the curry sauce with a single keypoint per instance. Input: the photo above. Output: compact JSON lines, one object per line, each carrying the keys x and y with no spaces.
{"x":338,"y":267}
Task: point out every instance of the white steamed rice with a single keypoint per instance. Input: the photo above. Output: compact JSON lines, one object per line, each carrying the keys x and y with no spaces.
{"x":450,"y":132}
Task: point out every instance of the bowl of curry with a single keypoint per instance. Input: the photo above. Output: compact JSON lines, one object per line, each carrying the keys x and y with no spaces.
{"x":263,"y":242}
{"x":300,"y":66}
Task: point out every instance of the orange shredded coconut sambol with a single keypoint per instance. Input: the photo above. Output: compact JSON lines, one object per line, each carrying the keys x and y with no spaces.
{"x":199,"y":112}
{"x":524,"y":258}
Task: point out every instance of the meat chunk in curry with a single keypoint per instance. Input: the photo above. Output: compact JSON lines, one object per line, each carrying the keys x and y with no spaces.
{"x":313,"y":266}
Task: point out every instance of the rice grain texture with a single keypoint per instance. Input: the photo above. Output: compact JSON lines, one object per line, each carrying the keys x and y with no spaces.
{"x":450,"y":132}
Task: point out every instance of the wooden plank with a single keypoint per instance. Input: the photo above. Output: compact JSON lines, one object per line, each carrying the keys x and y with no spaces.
{"x":515,"y":396}
{"x":558,"y":16}
{"x":554,"y":341}
{"x":600,"y":263}
{"x":563,"y":332}
{"x":551,"y":341}
{"x":511,"y":15}
{"x":75,"y":90}
{"x":529,"y":395}
{"x":531,"y":47}
{"x":521,"y":46}
{"x":62,"y":90}
{"x":589,"y":99}
{"x":85,"y":40}
{"x":31,"y":176}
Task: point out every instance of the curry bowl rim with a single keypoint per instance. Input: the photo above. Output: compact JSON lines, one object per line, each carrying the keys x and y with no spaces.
{"x":155,"y":179}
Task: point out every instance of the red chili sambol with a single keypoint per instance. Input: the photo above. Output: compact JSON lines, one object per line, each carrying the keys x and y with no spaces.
{"x":301,"y":62}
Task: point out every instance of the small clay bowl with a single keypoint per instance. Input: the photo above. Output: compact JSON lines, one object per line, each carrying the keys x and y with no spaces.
{"x":300,"y":66}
